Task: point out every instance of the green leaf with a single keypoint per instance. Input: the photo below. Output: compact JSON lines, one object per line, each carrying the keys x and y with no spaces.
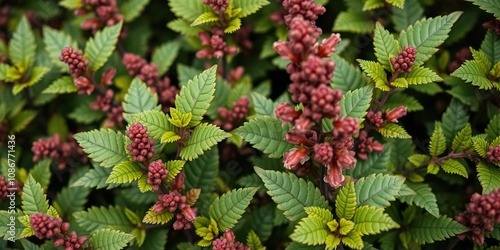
{"x":169,"y":136}
{"x":156,"y":122}
{"x":345,"y":203}
{"x":397,"y":99}
{"x":491,"y":46}
{"x":229,"y":208}
{"x":36,"y":75}
{"x":419,"y":159}
{"x":463,"y":140}
{"x":101,"y":46}
{"x":398,"y":3}
{"x":174,"y":168}
{"x":253,"y":241}
{"x":428,"y":229}
{"x":233,"y":26}
{"x":378,"y":189}
{"x":161,"y":218}
{"x":55,"y":41}
{"x":131,"y":9}
{"x":195,"y":97}
{"x":376,"y":72}
{"x":86,"y":115}
{"x":155,"y":240}
{"x":125,"y":172}
{"x":96,"y":218}
{"x":103,"y":146}
{"x":481,"y":58}
{"x":427,"y":34}
{"x":71,"y":4}
{"x":62,"y":85}
{"x":480,"y":145}
{"x":324,"y":215}
{"x":41,"y":172}
{"x":266,"y":134}
{"x":421,"y":75}
{"x":139,"y":98}
{"x":183,"y":27}
{"x":203,"y":138}
{"x":392,"y":130}
{"x":203,"y":171}
{"x":21,"y":120}
{"x":385,"y":46}
{"x":106,"y":239}
{"x":452,"y":166}
{"x":263,"y":105}
{"x":310,"y":231}
{"x":22,"y":46}
{"x":370,"y":220}
{"x":165,"y":55}
{"x":249,"y":7}
{"x":373,"y":4}
{"x":207,"y":17}
{"x":33,"y":198}
{"x":437,"y":145}
{"x":346,"y":76}
{"x":95,"y":178}
{"x":490,"y":6}
{"x":402,"y":18}
{"x":188,"y":10}
{"x":454,"y":119}
{"x":355,"y":103}
{"x":71,"y":199}
{"x":352,"y":21}
{"x":423,"y":198}
{"x":291,"y":193}
{"x":377,"y":162}
{"x":472,"y":72}
{"x":493,"y":128}
{"x":489,"y":177}
{"x":400,"y":83}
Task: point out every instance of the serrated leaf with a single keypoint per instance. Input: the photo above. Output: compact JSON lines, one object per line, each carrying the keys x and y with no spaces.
{"x":33,"y":198}
{"x":139,"y":98}
{"x":131,"y":9}
{"x":392,"y":130}
{"x":71,"y":4}
{"x":125,"y":172}
{"x":233,"y":26}
{"x":156,"y":122}
{"x":423,"y":198}
{"x":428,"y":229}
{"x":249,"y":7}
{"x":437,"y":144}
{"x":291,"y":193}
{"x":103,"y":146}
{"x":101,"y":46}
{"x":400,"y":83}
{"x":95,"y":178}
{"x":195,"y":97}
{"x":22,"y":46}
{"x":472,"y":72}
{"x":165,"y":55}
{"x":419,"y":159}
{"x":263,"y":105}
{"x":346,"y":76}
{"x":36,"y":75}
{"x":106,"y":239}
{"x":356,"y":103}
{"x":463,"y":140}
{"x":377,"y":190}
{"x":62,"y":85}
{"x":204,"y":136}
{"x":491,"y":46}
{"x":421,"y":75}
{"x":452,"y":166}
{"x":228,"y":209}
{"x":409,"y":14}
{"x":143,"y":184}
{"x":373,"y":4}
{"x":169,"y":136}
{"x":310,"y":231}
{"x":188,"y":10}
{"x":398,"y":3}
{"x":160,"y":218}
{"x":427,"y":34}
{"x":206,"y":17}
{"x":377,"y":162}
{"x":182,"y":26}
{"x":71,"y":199}
{"x":84,"y":114}
{"x":253,"y":241}
{"x":323,"y":215}
{"x":352,"y":21}
{"x":370,"y":220}
{"x":55,"y":41}
{"x":266,"y":134}
{"x":174,"y":168}
{"x":480,"y":145}
{"x":376,"y":72}
{"x":489,"y":177}
{"x":493,"y":128}
{"x":481,"y":59}
{"x":96,"y":218}
{"x":345,"y":203}
{"x":41,"y":172}
{"x":454,"y":119}
{"x":490,"y":6}
{"x":385,"y":46}
{"x":21,"y":120}
{"x":203,"y":171}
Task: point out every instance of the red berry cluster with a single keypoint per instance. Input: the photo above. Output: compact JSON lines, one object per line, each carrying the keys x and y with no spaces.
{"x":141,"y":147}
{"x":103,"y":102}
{"x":74,"y":59}
{"x":71,"y":241}
{"x":493,"y":25}
{"x":228,"y":242}
{"x":60,"y":152}
{"x":375,"y":118}
{"x":216,"y":46}
{"x":115,"y":116}
{"x":49,"y":227}
{"x":493,"y":154}
{"x":156,"y":174}
{"x":306,"y":9}
{"x":174,"y":201}
{"x":106,"y":13}
{"x":231,"y":117}
{"x":405,"y":59}
{"x":367,"y":145}
{"x":481,"y":214}
{"x":6,"y":187}
{"x":217,"y":5}
{"x":392,"y":115}
{"x":461,"y":56}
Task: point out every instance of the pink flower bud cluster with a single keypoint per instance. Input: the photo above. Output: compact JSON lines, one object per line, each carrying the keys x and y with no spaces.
{"x":405,"y":59}
{"x":61,"y":152}
{"x":306,"y":9}
{"x":367,"y":145}
{"x":391,"y":115}
{"x":106,"y":14}
{"x":228,"y":242}
{"x":175,"y":202}
{"x":461,"y":56}
{"x":74,"y":59}
{"x":481,"y":214}
{"x":493,"y":154}
{"x":156,"y":174}
{"x":217,"y":5}
{"x":141,"y":147}
{"x":232,"y":117}
{"x":216,"y":46}
{"x":493,"y":25}
{"x":6,"y":187}
{"x":49,"y":227}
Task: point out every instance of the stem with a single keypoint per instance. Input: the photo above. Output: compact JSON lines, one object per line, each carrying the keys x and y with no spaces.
{"x":439,"y":160}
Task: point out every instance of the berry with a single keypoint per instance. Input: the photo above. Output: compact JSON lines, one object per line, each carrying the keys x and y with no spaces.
{"x":103,"y":102}
{"x":367,"y":145}
{"x":324,"y":103}
{"x":217,"y":5}
{"x":405,"y":59}
{"x":323,"y":153}
{"x":345,"y":127}
{"x":141,"y":148}
{"x":7,"y":186}
{"x":170,"y":201}
{"x":133,"y":63}
{"x":286,"y":113}
{"x":166,"y":93}
{"x":73,"y":241}
{"x":375,"y":118}
{"x":156,"y":174}
{"x":493,"y":154}
{"x":493,"y":25}
{"x":149,"y":74}
{"x":306,"y":9}
{"x":84,"y":86}
{"x":115,"y":116}
{"x":228,"y":242}
{"x":231,"y":118}
{"x":74,"y":59}
{"x":45,"y":226}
